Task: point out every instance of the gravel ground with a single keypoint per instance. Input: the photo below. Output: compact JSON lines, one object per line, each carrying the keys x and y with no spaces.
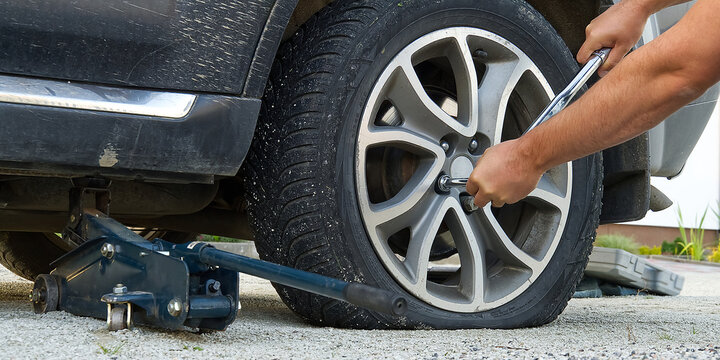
{"x":649,"y":327}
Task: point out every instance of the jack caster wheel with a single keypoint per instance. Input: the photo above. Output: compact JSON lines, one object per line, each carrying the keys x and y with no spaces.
{"x":118,"y":318}
{"x":44,"y":295}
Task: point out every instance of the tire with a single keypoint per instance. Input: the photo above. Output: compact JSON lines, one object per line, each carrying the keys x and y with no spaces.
{"x":310,"y":187}
{"x":29,"y":254}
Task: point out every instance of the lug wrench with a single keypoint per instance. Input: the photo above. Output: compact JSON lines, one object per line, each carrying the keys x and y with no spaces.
{"x":445,"y":182}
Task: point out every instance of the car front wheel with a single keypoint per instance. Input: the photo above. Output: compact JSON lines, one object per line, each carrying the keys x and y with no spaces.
{"x":368,"y":104}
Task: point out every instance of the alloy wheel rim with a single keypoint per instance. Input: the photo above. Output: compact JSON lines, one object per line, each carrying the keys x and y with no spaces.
{"x":417,"y":125}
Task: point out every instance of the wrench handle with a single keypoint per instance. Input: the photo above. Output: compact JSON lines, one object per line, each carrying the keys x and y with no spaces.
{"x":566,"y":95}
{"x":445,"y":182}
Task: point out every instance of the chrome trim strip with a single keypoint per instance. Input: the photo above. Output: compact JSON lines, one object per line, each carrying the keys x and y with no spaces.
{"x":65,"y":94}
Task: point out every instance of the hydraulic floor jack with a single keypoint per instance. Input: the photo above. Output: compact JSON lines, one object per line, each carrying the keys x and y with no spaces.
{"x":114,"y":273}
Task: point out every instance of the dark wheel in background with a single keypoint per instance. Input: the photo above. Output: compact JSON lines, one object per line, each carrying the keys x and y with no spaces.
{"x":29,"y":254}
{"x":368,"y":103}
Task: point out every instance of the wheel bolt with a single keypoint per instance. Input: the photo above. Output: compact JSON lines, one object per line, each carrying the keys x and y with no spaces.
{"x":107,"y":250}
{"x":174,"y":307}
{"x":473,"y":145}
{"x":445,"y":146}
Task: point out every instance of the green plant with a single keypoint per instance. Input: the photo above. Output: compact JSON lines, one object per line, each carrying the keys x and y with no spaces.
{"x":644,"y":250}
{"x":110,"y":350}
{"x":677,"y":247}
{"x":672,"y":248}
{"x":215,"y":238}
{"x":617,"y":241}
{"x":715,"y":254}
{"x":692,"y":244}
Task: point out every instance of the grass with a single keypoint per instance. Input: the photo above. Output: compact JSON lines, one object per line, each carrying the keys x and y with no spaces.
{"x":665,"y":336}
{"x":215,"y":238}
{"x":194,"y":348}
{"x":617,"y":241}
{"x":692,"y":240}
{"x":110,"y":350}
{"x":715,"y":254}
{"x":631,"y":334}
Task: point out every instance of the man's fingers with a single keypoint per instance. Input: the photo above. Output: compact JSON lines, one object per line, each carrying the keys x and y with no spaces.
{"x":481,"y":200}
{"x":616,"y":55}
{"x":472,"y":186}
{"x":585,"y":52}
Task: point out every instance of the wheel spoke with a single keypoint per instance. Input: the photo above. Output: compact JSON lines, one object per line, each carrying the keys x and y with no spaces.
{"x":400,"y":138}
{"x":495,"y":88}
{"x":422,"y":239}
{"x":390,"y":216}
{"x":419,"y":186}
{"x":471,"y":253}
{"x":499,"y":242}
{"x":466,"y":82}
{"x":547,"y":193}
{"x":420,"y":113}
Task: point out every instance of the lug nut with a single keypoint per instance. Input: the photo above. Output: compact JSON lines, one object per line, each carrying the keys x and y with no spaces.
{"x":445,"y":146}
{"x":468,"y":203}
{"x":174,"y":307}
{"x":107,"y":250}
{"x":473,"y":145}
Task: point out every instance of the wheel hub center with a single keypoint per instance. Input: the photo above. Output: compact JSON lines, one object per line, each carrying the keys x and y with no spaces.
{"x":461,"y":167}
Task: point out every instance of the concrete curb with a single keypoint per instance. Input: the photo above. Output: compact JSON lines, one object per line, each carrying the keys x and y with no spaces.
{"x":681,"y":260}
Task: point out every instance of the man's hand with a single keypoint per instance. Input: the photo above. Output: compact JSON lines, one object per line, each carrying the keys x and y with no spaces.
{"x":503,"y":175}
{"x":619,"y":28}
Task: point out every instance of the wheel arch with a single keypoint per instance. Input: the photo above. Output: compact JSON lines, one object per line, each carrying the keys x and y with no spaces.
{"x":568,"y":17}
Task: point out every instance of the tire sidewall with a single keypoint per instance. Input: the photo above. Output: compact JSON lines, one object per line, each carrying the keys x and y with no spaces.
{"x":400,"y":25}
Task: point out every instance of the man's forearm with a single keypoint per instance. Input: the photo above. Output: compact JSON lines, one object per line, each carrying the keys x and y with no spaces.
{"x":649,"y":85}
{"x":653,"y":6}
